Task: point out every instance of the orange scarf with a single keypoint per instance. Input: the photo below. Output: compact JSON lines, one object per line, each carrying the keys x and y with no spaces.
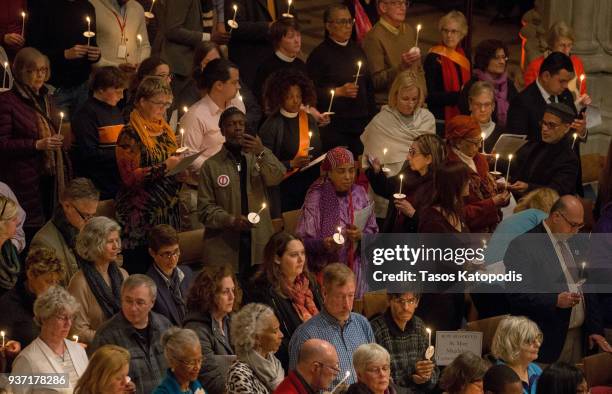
{"x":147,"y":130}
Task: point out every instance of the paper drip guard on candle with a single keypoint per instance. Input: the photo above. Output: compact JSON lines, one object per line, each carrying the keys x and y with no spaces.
{"x":429,"y":353}
{"x":89,"y":33}
{"x":399,"y":196}
{"x":232,"y":22}
{"x":338,"y":238}
{"x":254,"y":217}
{"x":382,"y":166}
{"x":288,"y":14}
{"x":149,"y":14}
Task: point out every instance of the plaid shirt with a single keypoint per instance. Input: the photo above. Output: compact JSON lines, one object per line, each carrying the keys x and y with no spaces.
{"x":406,"y":348}
{"x":147,"y":365}
{"x":346,"y":339}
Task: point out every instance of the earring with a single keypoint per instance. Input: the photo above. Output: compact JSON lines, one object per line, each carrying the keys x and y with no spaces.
{"x":277,"y":261}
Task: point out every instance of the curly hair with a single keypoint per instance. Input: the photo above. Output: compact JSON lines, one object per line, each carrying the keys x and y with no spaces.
{"x":277,"y":86}
{"x":246,"y":324}
{"x":512,"y":333}
{"x":41,"y":261}
{"x":207,"y":285}
{"x":53,"y":301}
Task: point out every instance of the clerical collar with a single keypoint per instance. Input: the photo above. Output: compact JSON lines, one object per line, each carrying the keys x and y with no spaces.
{"x":394,"y":30}
{"x":284,"y":57}
{"x":342,"y":44}
{"x":288,"y":114}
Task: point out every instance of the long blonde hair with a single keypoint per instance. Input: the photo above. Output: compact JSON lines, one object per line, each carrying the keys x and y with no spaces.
{"x":542,"y":198}
{"x":103,"y":365}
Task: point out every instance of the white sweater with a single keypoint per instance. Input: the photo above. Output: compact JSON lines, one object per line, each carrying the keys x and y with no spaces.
{"x":108,"y":32}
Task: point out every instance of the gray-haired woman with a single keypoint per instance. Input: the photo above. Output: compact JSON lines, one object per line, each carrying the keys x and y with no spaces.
{"x":372,"y":364}
{"x":51,"y":352}
{"x":256,"y":336}
{"x":97,"y":285}
{"x":184,"y":356}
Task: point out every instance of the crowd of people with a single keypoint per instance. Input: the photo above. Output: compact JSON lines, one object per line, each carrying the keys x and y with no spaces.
{"x":181,"y":118}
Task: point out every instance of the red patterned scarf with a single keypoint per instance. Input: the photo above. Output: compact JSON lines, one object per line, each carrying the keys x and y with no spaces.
{"x":301,"y":297}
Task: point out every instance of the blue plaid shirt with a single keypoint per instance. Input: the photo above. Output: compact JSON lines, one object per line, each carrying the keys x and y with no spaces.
{"x":346,"y":339}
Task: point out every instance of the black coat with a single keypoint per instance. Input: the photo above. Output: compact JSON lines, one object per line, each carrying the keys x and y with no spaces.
{"x":437,"y":96}
{"x":164,"y":303}
{"x":262,"y":291}
{"x":547,"y":165}
{"x":17,"y":314}
{"x":537,"y":264}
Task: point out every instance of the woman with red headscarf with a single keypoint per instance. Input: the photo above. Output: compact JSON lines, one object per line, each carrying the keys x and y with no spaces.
{"x":482,"y":206}
{"x":334,"y":202}
{"x":447,"y":69}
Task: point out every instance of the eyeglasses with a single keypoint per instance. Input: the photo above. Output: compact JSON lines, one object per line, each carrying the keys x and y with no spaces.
{"x":169,"y":255}
{"x":385,"y":369}
{"x":138,"y":303}
{"x":345,"y":22}
{"x":65,"y":318}
{"x":483,"y":106}
{"x":549,"y":125}
{"x":577,"y":226}
{"x":398,"y":3}
{"x":42,"y":70}
{"x":84,"y":216}
{"x":191,"y":363}
{"x":165,"y":104}
{"x":335,"y":368}
{"x":403,"y":301}
{"x":451,"y":32}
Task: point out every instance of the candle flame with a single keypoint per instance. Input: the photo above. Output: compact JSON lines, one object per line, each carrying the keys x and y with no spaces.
{"x":88,"y":19}
{"x":139,"y":37}
{"x":384,"y":151}
{"x":263,"y":205}
{"x":185,"y":109}
{"x":235,"y":7}
{"x":510,"y":156}
{"x":583,"y":264}
{"x":482,"y":135}
{"x":402,"y":176}
{"x":76,"y":338}
{"x":418,"y":27}
{"x":582,"y":77}
{"x":5,"y":64}
{"x":310,"y":134}
{"x":575,"y":135}
{"x":339,"y":230}
{"x":62,"y":115}
{"x":23,"y":14}
{"x":2,"y":333}
{"x":289,"y":2}
{"x":182,"y":131}
{"x":497,"y":156}
{"x":332,"y":92}
{"x":359,"y":63}
{"x":428,"y":330}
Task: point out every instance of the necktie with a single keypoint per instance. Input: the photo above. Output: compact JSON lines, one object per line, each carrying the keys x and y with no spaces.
{"x":568,"y":258}
{"x":553,"y":99}
{"x":272,"y":9}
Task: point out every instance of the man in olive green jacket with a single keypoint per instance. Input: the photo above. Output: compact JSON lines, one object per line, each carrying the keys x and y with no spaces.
{"x":232,"y":184}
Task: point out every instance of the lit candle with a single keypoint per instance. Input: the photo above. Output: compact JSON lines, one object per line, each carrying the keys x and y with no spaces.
{"x":346,"y":376}
{"x":582,"y":268}
{"x":310,"y":147}
{"x":185,"y":109}
{"x":333,"y":93}
{"x":23,"y":16}
{"x":384,"y":154}
{"x":428,"y":334}
{"x":235,"y":11}
{"x":358,"y":70}
{"x":582,"y":76}
{"x":182,"y":137}
{"x":88,"y":34}
{"x":2,"y":333}
{"x":575,"y":135}
{"x":59,"y":129}
{"x":263,"y":206}
{"x":151,"y":9}
{"x":508,"y":171}
{"x":495,"y":166}
{"x":401,"y":180}
{"x":75,"y":338}
{"x":4,"y":77}
{"x":139,"y":38}
{"x":289,"y":7}
{"x":416,"y":43}
{"x":483,"y":135}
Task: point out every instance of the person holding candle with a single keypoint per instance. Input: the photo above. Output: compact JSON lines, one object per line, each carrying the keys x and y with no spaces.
{"x":332,"y":202}
{"x":339,"y":63}
{"x":256,"y":336}
{"x":11,"y":37}
{"x":285,"y":285}
{"x":482,"y":205}
{"x":285,"y":133}
{"x":516,"y":343}
{"x":42,"y":271}
{"x":481,"y":98}
{"x":31,"y":158}
{"x":58,"y":32}
{"x":388,"y":47}
{"x":425,"y":155}
{"x":405,"y":337}
{"x":51,"y":352}
{"x":560,"y":38}
{"x":232,"y":184}
{"x":490,"y":65}
{"x":145,"y":150}
{"x":107,"y":372}
{"x":96,"y":127}
{"x":551,"y":161}
{"x":372,"y":364}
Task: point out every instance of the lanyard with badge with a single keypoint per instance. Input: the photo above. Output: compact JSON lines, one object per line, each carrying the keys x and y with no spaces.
{"x":122,"y":48}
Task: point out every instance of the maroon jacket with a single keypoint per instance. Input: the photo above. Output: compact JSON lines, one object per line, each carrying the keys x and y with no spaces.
{"x":10,"y":21}
{"x":292,"y":385}
{"x":21,"y":165}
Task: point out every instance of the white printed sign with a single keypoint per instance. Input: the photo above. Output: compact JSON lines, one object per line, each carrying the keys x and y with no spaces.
{"x":450,"y":344}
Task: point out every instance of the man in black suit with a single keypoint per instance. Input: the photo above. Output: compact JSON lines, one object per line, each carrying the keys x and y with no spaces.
{"x":548,"y":293}
{"x":549,"y":162}
{"x":249,"y":43}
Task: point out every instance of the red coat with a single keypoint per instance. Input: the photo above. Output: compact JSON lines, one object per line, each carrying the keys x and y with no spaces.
{"x":291,"y":385}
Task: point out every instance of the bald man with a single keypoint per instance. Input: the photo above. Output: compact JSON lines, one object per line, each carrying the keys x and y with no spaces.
{"x":550,"y":291}
{"x":316,"y":369}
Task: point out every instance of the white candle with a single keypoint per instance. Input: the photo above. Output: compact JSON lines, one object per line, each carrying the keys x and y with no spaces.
{"x":139,"y":38}
{"x":185,"y":109}
{"x":88,"y":29}
{"x":263,"y":206}
{"x":508,"y":171}
{"x":401,"y":180}
{"x":346,"y":376}
{"x":384,"y":154}
{"x":582,"y":268}
{"x":416,"y":43}
{"x":332,"y":92}
{"x":235,"y":11}
{"x":483,"y":135}
{"x":496,"y":158}
{"x":23,"y":16}
{"x":358,"y":70}
{"x":182,"y":137}
{"x":5,"y":72}
{"x":580,"y":84}
{"x":151,"y":9}
{"x":2,"y":333}
{"x":429,"y":334}
{"x":59,"y":129}
{"x":575,"y":135}
{"x":289,"y":7}
{"x":75,"y":338}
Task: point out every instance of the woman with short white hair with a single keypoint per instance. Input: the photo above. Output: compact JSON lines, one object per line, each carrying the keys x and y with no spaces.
{"x":372,"y":364}
{"x":51,"y":352}
{"x":97,"y":285}
{"x":516,"y":343}
{"x":184,"y":356}
{"x":256,"y":336}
